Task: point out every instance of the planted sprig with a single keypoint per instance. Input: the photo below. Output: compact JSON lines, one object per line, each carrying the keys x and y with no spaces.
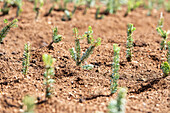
{"x":67,"y":16}
{"x":52,"y":7}
{"x":88,"y":67}
{"x":26,"y":58}
{"x":55,"y":38}
{"x":159,"y":4}
{"x":49,"y":74}
{"x":37,"y":6}
{"x":5,"y":9}
{"x":113,"y":6}
{"x":167,"y":6}
{"x":164,"y":35}
{"x":168,"y":54}
{"x":165,"y":68}
{"x":118,"y":105}
{"x":115,"y":69}
{"x":7,"y":28}
{"x":77,"y":3}
{"x":109,"y":8}
{"x":89,"y":35}
{"x":63,"y":5}
{"x":161,"y":21}
{"x":88,"y":4}
{"x":129,"y":44}
{"x":97,"y":14}
{"x":19,"y":7}
{"x":132,"y":5}
{"x":29,"y":102}
{"x":90,"y":50}
{"x":76,"y":53}
{"x":150,"y":6}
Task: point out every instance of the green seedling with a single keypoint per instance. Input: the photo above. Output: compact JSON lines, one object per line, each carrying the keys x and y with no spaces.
{"x":61,"y":7}
{"x":5,"y":9}
{"x":115,"y":69}
{"x":161,"y":21}
{"x":97,"y":14}
{"x":55,"y":38}
{"x":49,"y":74}
{"x":64,"y":6}
{"x":165,"y":68}
{"x":29,"y":103}
{"x":113,"y":6}
{"x":88,"y":4}
{"x":164,"y":35}
{"x":67,"y":16}
{"x":37,"y":6}
{"x":76,"y":54}
{"x":118,"y":105}
{"x":52,"y":7}
{"x":7,"y":28}
{"x":19,"y":7}
{"x":160,"y":4}
{"x":168,"y":54}
{"x":26,"y":59}
{"x":89,"y":35}
{"x":88,"y":67}
{"x":150,"y":7}
{"x":77,"y":3}
{"x":132,"y":5}
{"x":167,"y":6}
{"x":129,"y":44}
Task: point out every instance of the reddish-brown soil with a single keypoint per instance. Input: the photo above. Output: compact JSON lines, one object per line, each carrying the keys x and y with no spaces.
{"x":77,"y":90}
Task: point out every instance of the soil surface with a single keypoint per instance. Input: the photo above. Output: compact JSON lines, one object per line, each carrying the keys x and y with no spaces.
{"x":77,"y":90}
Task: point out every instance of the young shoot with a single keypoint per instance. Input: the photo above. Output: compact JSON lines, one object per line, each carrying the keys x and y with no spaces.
{"x":129,"y":44}
{"x":37,"y":6}
{"x":150,"y":7}
{"x":97,"y":14}
{"x":167,"y":6}
{"x":159,"y":4}
{"x":132,"y":5}
{"x":115,"y":69}
{"x":5,"y":9}
{"x":19,"y":7}
{"x":168,"y":54}
{"x":161,"y":21}
{"x":88,"y":4}
{"x":77,"y":3}
{"x":89,"y":35}
{"x":7,"y":28}
{"x":165,"y":68}
{"x":88,"y":67}
{"x":26,"y":59}
{"x":64,"y":6}
{"x":76,"y":53}
{"x":55,"y":38}
{"x":29,"y":104}
{"x":164,"y":35}
{"x":49,"y":74}
{"x":113,"y":6}
{"x":118,"y":105}
{"x":109,"y":7}
{"x":67,"y":16}
{"x":52,"y":7}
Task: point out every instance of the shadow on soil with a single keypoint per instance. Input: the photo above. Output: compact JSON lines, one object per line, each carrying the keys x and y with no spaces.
{"x":93,"y":97}
{"x":148,"y":84}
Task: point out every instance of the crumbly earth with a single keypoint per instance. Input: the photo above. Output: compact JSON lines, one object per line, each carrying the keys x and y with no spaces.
{"x":77,"y":90}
